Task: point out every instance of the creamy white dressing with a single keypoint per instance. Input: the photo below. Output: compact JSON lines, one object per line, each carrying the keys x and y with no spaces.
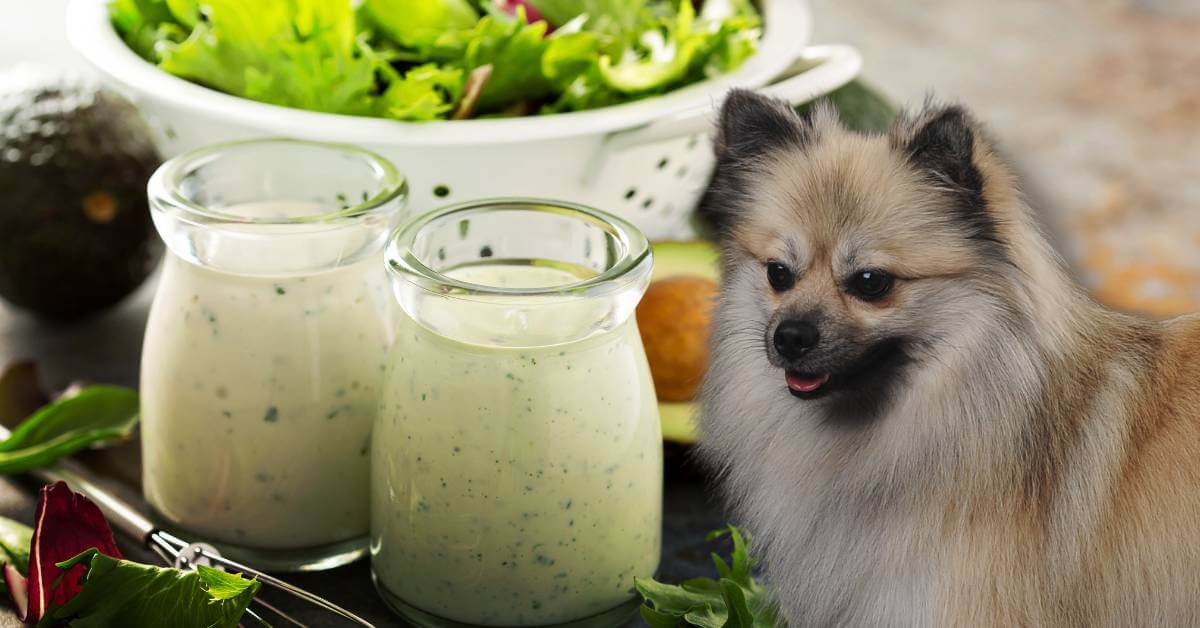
{"x":515,"y":486}
{"x":258,"y":395}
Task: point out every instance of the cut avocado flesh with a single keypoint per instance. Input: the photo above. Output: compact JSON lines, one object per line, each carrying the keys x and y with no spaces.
{"x":675,"y":259}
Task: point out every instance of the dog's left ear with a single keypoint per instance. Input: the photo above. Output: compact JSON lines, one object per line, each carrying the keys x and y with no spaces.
{"x":945,"y":145}
{"x":945,"y":142}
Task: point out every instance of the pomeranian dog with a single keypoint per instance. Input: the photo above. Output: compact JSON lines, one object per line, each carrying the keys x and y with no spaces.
{"x":918,"y":416}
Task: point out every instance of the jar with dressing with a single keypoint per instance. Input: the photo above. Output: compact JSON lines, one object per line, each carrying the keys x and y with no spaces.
{"x":264,"y":351}
{"x":517,"y":455}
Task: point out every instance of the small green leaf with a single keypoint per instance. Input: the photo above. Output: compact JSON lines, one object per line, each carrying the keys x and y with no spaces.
{"x":670,"y":598}
{"x":716,"y":534}
{"x":701,"y":585}
{"x":735,"y":601}
{"x":221,"y":585}
{"x":96,"y":413}
{"x":414,"y":23}
{"x":124,"y":593}
{"x":707,"y":617}
{"x":723,"y":568}
{"x":659,"y":619}
{"x":740,"y":573}
{"x":739,"y":613}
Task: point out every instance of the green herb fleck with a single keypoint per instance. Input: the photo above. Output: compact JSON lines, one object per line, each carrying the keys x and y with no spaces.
{"x":272,"y":414}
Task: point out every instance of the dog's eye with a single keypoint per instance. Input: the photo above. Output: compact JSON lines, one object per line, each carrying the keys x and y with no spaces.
{"x":780,"y":277}
{"x":869,"y":285}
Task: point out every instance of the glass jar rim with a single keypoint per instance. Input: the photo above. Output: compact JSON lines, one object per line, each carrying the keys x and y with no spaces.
{"x":403,"y":262}
{"x":164,"y":184}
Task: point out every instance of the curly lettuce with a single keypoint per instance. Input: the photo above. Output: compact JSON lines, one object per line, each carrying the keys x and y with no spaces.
{"x":413,"y":59}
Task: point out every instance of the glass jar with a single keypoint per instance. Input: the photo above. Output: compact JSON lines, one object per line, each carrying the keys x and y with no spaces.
{"x":517,"y":456}
{"x":264,"y":351}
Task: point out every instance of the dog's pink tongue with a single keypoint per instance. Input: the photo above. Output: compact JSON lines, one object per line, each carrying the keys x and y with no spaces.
{"x":805,"y":383}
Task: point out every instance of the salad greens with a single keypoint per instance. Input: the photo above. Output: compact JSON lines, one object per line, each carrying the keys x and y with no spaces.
{"x":69,"y":571}
{"x":124,"y":593}
{"x":93,"y":414}
{"x":734,"y":600}
{"x":415,"y":59}
{"x":67,"y":523}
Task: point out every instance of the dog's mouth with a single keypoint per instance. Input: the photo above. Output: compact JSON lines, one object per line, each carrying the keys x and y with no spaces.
{"x":806,"y":385}
{"x":878,"y":365}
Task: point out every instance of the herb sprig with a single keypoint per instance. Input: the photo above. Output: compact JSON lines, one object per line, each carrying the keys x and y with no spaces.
{"x":733,"y":600}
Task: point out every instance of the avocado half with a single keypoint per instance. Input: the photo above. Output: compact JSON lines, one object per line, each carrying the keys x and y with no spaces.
{"x":681,"y":259}
{"x":75,"y":228}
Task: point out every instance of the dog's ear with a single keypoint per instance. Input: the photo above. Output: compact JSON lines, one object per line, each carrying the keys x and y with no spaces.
{"x":943,"y":142}
{"x":749,"y":126}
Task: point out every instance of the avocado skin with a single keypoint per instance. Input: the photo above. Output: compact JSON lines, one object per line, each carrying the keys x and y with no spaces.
{"x":75,"y":228}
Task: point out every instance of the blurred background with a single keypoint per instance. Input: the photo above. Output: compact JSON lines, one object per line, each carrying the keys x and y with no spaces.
{"x":1097,"y":101}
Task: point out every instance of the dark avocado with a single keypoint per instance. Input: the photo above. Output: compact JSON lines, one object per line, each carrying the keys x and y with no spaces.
{"x":75,"y":228}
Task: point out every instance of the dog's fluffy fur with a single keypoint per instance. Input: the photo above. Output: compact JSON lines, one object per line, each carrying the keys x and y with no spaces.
{"x":1000,"y":451}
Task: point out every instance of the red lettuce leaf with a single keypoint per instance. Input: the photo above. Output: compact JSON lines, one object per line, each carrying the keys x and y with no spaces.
{"x":65,"y":524}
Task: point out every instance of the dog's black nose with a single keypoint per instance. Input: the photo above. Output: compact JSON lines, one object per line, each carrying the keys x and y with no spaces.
{"x":793,"y":338}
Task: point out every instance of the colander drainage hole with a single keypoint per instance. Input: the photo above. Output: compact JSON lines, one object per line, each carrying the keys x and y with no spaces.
{"x":441,"y":191}
{"x":646,"y":204}
{"x":662,"y":163}
{"x":682,"y":172}
{"x":630,"y":193}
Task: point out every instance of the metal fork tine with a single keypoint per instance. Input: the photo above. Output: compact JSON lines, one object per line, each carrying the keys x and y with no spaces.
{"x":293,"y":590}
{"x":256,"y":616}
{"x":279,"y":612}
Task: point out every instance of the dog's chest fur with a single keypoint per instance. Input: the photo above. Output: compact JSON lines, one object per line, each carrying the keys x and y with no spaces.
{"x":845,"y":548}
{"x":864,"y":559}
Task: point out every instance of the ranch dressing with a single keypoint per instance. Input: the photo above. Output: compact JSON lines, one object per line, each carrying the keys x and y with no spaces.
{"x":265,"y":346}
{"x":257,"y":403}
{"x":515,"y":486}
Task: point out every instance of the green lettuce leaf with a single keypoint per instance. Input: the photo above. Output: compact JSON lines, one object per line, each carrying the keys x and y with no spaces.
{"x":514,"y":49}
{"x":618,"y":21}
{"x":426,"y":92}
{"x":734,"y":600}
{"x":667,"y":59}
{"x":650,"y":50}
{"x":295,"y":53}
{"x":186,"y":12}
{"x":143,"y":24}
{"x":415,"y":23}
{"x":124,"y":593}
{"x":94,"y":414}
{"x":409,"y":59}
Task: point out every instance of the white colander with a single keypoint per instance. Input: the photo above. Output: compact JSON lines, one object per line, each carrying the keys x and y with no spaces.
{"x":647,"y":160}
